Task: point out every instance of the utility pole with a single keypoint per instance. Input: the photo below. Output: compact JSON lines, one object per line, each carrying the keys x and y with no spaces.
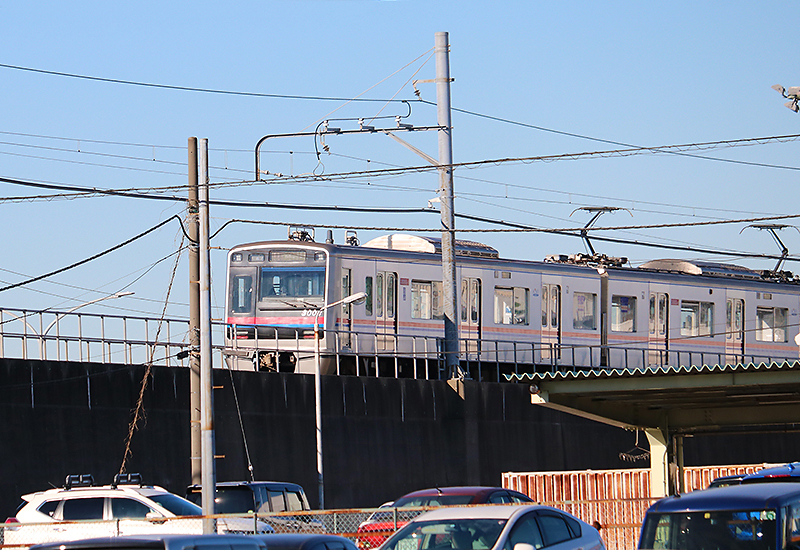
{"x":208,"y":473}
{"x":449,"y":280}
{"x":193,"y":229}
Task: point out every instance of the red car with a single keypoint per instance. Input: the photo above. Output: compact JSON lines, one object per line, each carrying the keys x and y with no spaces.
{"x":394,"y":515}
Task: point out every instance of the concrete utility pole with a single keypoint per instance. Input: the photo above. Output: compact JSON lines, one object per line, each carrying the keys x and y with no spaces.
{"x":193,"y":229}
{"x":449,"y":279}
{"x":208,"y":473}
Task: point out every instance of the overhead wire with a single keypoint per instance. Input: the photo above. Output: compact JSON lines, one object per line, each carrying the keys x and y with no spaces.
{"x":186,"y":88}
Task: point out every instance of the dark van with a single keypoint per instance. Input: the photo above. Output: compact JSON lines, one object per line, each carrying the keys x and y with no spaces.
{"x":247,"y":497}
{"x":757,"y":516}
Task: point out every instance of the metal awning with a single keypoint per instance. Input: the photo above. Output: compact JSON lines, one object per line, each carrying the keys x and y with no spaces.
{"x":683,"y":400}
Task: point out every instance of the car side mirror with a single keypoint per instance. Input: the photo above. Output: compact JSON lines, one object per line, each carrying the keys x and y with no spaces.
{"x":153,"y":515}
{"x":523,"y":546}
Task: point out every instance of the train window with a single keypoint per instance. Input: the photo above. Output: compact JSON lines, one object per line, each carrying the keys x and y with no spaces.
{"x":368,"y":291}
{"x":241,"y":293}
{"x":584,"y":310}
{"x":421,"y":300}
{"x":623,"y":314}
{"x":511,"y":306}
{"x":697,"y":318}
{"x":544,"y":305}
{"x":771,"y":324}
{"x":379,"y":295}
{"x":391,"y":292}
{"x":292,"y":282}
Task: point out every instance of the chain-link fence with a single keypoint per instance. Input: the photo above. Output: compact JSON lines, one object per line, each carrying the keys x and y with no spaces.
{"x":368,"y":528}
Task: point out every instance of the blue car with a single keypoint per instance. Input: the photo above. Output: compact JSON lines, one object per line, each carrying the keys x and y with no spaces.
{"x":756,"y":516}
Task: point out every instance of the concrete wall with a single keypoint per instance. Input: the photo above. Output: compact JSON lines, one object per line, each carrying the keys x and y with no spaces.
{"x":381,"y":437}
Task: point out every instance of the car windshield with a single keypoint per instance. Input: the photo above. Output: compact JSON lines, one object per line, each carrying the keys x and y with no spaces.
{"x":457,"y":534}
{"x":745,"y":530}
{"x":177,"y":505}
{"x":235,"y":500}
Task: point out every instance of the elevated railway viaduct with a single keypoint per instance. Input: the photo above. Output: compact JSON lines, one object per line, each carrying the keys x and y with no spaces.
{"x":382,"y":436}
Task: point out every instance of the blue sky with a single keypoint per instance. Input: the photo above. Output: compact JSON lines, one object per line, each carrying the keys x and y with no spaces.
{"x":572,"y":77}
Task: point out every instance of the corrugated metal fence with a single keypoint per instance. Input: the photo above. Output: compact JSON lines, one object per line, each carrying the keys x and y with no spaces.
{"x":616,"y":499}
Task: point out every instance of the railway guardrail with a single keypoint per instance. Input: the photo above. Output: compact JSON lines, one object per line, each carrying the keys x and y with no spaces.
{"x":126,"y":339}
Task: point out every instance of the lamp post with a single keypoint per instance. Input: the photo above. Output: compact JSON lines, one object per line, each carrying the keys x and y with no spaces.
{"x":356,"y":298}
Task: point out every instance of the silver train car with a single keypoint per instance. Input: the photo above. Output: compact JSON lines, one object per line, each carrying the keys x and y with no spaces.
{"x":513,"y":315}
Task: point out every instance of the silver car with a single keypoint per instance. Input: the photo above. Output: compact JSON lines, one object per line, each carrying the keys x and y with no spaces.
{"x":491,"y":527}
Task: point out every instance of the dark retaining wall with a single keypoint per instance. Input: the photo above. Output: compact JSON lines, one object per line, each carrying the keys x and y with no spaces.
{"x":382,"y":437}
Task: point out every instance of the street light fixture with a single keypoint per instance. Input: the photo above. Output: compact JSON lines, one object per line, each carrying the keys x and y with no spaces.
{"x":792,"y":93}
{"x":60,"y":315}
{"x":356,"y":298}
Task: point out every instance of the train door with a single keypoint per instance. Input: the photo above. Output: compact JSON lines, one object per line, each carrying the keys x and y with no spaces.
{"x":470,"y":325}
{"x":734,"y":331}
{"x":658,"y":334}
{"x":385,"y":310}
{"x":346,"y":323}
{"x":551,"y":321}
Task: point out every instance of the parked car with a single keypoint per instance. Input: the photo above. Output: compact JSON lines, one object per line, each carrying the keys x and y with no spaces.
{"x":383,"y":523}
{"x":522,"y":527}
{"x":263,"y":497}
{"x":755,"y":516}
{"x":82,"y":510}
{"x":160,"y":542}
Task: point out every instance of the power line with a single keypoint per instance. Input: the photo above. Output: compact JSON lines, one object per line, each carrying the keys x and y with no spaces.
{"x":195,"y":89}
{"x":98,"y":255}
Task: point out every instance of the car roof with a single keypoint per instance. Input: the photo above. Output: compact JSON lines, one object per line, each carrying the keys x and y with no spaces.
{"x":754,"y":496}
{"x":791,"y":470}
{"x":462,"y":490}
{"x":146,"y":490}
{"x":250,"y":484}
{"x":166,"y":542}
{"x":489,"y":511}
{"x":299,"y":541}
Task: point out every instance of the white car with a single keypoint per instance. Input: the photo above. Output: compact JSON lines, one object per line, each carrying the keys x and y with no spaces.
{"x":493,"y":527}
{"x":83,"y":510}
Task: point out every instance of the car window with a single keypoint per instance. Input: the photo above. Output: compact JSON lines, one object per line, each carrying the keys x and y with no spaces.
{"x":83,"y":508}
{"x":128,"y":508}
{"x":262,"y":499}
{"x":525,"y":530}
{"x":554,"y":528}
{"x":276,"y":501}
{"x":48,"y":507}
{"x":518,"y":497}
{"x":499,"y":497}
{"x":295,"y":500}
{"x":177,"y":505}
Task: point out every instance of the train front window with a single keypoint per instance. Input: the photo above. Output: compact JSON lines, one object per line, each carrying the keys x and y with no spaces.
{"x":292,"y":282}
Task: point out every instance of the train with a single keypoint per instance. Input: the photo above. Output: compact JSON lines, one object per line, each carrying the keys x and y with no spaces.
{"x":286,"y":310}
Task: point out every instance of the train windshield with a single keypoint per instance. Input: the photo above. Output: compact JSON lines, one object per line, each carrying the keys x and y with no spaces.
{"x":746,"y":529}
{"x":291,"y":282}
